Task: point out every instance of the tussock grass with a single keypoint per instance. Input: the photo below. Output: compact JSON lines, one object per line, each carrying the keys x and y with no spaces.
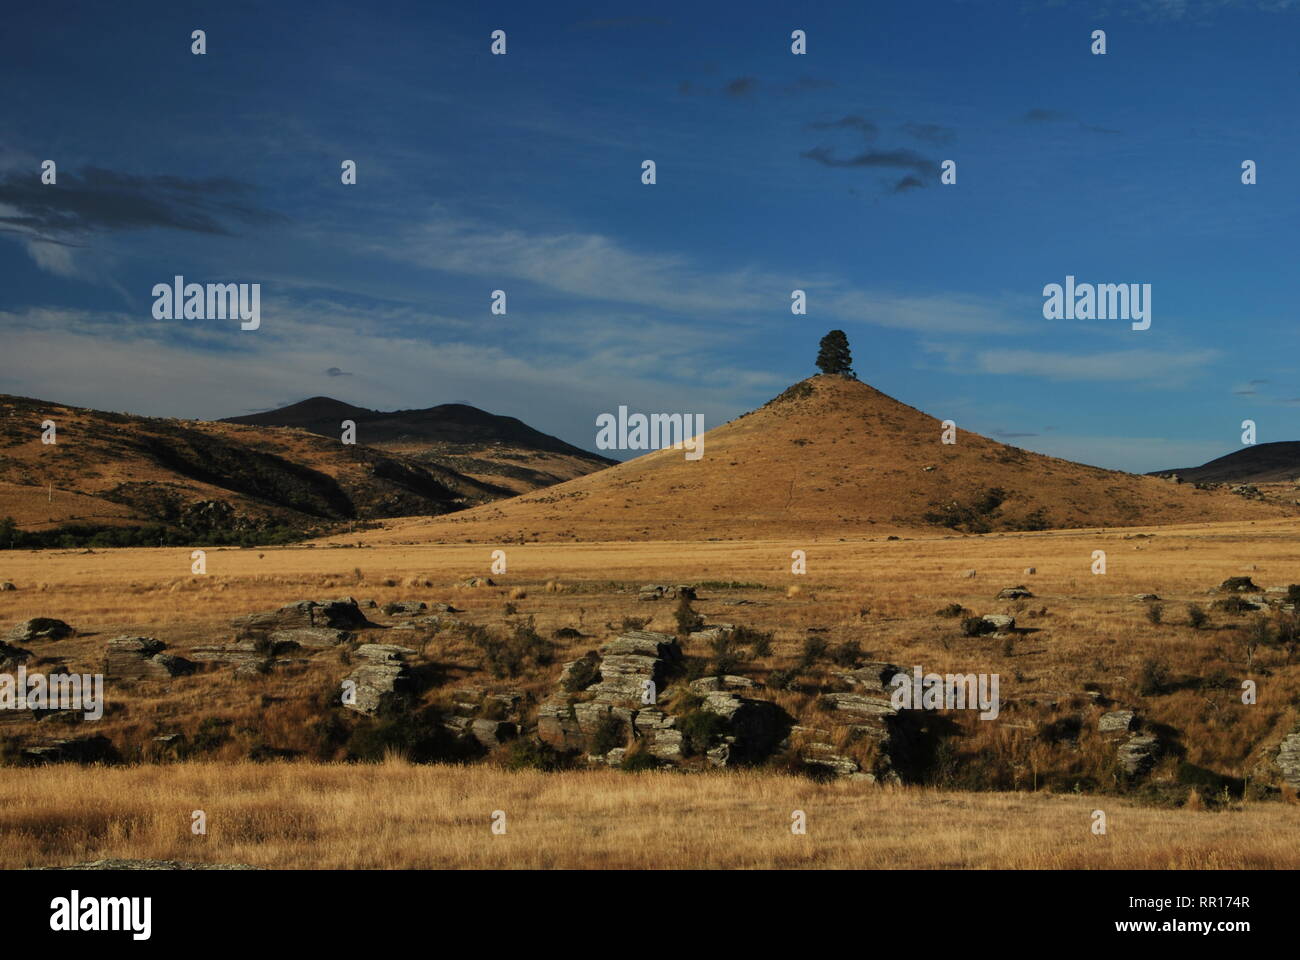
{"x":396,"y":816}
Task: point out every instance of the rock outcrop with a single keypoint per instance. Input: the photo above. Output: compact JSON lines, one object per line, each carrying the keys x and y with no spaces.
{"x":1138,"y":755}
{"x":1288,"y":760}
{"x":344,"y":614}
{"x":141,"y":658}
{"x":39,"y":629}
{"x":382,"y":682}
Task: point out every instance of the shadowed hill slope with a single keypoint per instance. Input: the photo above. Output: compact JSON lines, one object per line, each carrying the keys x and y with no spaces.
{"x":1261,"y":463}
{"x":502,"y":451}
{"x":112,"y":469}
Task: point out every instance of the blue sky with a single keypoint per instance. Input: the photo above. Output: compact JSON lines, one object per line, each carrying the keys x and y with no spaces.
{"x":523,"y":172}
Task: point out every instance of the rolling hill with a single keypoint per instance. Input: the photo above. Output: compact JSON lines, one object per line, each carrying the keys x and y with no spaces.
{"x":833,"y":457}
{"x":1261,"y":463}
{"x":203,"y":478}
{"x":501,"y":451}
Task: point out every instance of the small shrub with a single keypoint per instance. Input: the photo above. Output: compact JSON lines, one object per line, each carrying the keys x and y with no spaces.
{"x":783,"y":679}
{"x":952,"y":610}
{"x":529,"y":754}
{"x":846,"y":654}
{"x":688,"y":621}
{"x":976,"y":627}
{"x":607,"y":735}
{"x":814,"y":649}
{"x":639,"y":761}
{"x":1196,"y":616}
{"x":699,"y":729}
{"x":1154,"y":678}
{"x":1233,"y":605}
{"x":1155,"y":613}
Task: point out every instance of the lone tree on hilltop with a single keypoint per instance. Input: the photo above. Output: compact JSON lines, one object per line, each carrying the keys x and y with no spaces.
{"x":833,"y":355}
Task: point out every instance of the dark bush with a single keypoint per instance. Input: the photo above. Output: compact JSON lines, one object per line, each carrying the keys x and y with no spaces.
{"x":607,"y":735}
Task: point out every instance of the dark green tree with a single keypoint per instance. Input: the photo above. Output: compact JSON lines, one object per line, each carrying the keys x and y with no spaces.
{"x":833,"y":354}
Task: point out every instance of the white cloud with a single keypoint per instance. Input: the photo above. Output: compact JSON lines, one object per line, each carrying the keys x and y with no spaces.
{"x":1151,"y":366}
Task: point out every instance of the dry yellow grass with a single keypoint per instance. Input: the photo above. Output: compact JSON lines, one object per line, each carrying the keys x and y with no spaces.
{"x":396,"y":816}
{"x":881,"y":593}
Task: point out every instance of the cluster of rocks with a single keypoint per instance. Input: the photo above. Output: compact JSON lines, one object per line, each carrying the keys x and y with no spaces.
{"x":314,"y":624}
{"x":1137,"y":755}
{"x":96,"y":749}
{"x":619,"y":681}
{"x":141,"y":658}
{"x":467,"y":718}
{"x":1288,"y":760}
{"x":658,"y":591}
{"x":865,"y":711}
{"x":383,"y":679}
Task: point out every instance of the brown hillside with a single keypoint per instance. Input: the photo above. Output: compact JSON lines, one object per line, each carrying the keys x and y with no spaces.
{"x":110,"y":469}
{"x":834,"y":457}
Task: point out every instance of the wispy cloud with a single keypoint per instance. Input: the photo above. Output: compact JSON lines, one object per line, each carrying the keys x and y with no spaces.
{"x":1165,"y":368}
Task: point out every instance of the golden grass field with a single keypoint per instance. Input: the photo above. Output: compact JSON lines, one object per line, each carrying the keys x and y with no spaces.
{"x":883,"y":593}
{"x":399,"y":816}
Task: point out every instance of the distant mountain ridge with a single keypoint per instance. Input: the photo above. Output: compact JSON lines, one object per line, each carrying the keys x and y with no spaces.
{"x":444,"y":423}
{"x":1260,"y":463}
{"x":502,"y":451}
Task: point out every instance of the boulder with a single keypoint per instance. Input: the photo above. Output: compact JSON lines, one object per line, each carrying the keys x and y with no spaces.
{"x":1238,"y":585}
{"x":1030,"y":571}
{"x":874,"y":675}
{"x":968,"y":574}
{"x":379,"y":686}
{"x":492,"y":733}
{"x":1145,"y":597}
{"x":405,"y":608}
{"x":342,"y":614}
{"x":1013,"y":593}
{"x":6,"y":586}
{"x":756,"y":726}
{"x":1117,"y":721}
{"x":383,"y":652}
{"x":12,"y":657}
{"x":1138,"y":755}
{"x":712,"y":634}
{"x":141,"y":658}
{"x":311,"y":638}
{"x":238,"y":652}
{"x":1288,"y":760}
{"x":1001,"y":622}
{"x":39,"y":628}
{"x":97,"y":749}
{"x":557,"y":724}
{"x":726,"y":682}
